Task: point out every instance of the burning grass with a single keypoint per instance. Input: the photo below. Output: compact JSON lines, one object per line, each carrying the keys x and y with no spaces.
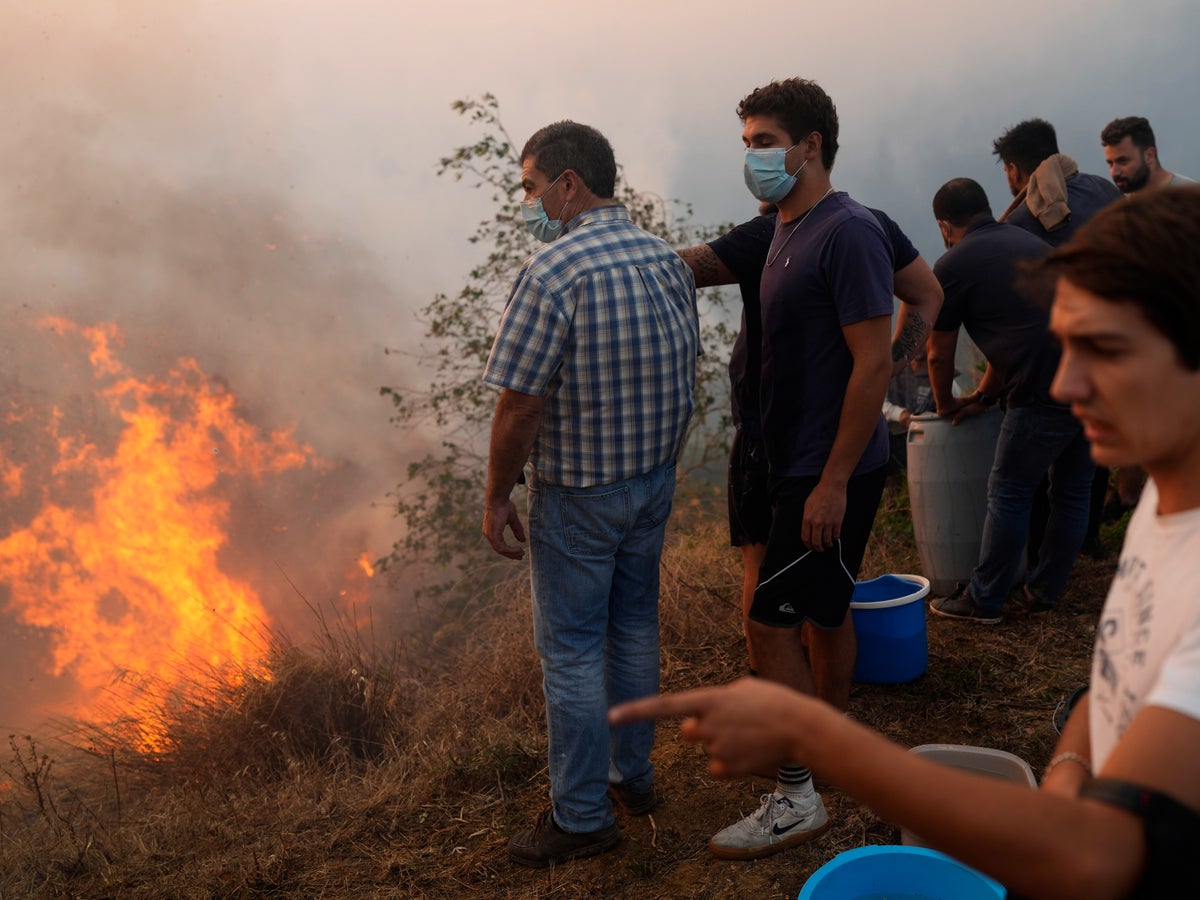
{"x":342,"y":768}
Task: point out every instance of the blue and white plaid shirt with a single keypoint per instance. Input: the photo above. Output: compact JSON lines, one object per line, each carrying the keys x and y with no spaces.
{"x":603,"y":324}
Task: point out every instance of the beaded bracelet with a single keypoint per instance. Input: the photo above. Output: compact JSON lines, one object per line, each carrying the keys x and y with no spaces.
{"x":1068,"y":756}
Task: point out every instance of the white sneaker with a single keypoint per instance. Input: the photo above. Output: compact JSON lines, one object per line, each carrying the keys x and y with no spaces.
{"x":778,"y":824}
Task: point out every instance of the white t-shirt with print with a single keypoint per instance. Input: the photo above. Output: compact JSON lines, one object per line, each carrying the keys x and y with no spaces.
{"x":1148,"y":640}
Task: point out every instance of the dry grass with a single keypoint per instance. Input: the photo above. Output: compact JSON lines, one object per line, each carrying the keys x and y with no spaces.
{"x":344,"y":770}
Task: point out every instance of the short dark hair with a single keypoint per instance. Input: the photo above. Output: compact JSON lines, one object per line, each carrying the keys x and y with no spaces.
{"x":802,"y":107}
{"x":580,"y":148}
{"x":1136,"y":127}
{"x":1142,"y":251}
{"x":960,"y":201}
{"x":1027,"y":144}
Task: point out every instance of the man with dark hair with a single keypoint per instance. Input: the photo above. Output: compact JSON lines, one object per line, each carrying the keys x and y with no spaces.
{"x":1051,"y":197}
{"x":568,"y":145}
{"x":1131,"y":152}
{"x":596,"y":360}
{"x":800,"y":107}
{"x":1038,"y":435}
{"x":826,"y":307}
{"x":739,"y":257}
{"x":1132,"y":156}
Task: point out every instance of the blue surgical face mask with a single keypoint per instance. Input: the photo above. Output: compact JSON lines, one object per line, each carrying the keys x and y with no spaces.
{"x":540,"y":225}
{"x":766,"y":173}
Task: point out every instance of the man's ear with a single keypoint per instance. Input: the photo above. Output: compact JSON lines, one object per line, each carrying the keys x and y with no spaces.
{"x":1151,"y":155}
{"x":948,"y":232}
{"x":571,"y":183}
{"x":812,"y":145}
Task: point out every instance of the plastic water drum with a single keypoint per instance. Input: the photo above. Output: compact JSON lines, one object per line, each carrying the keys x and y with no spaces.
{"x":889,"y":623}
{"x":902,"y":873}
{"x":948,"y":467}
{"x":981,"y":760}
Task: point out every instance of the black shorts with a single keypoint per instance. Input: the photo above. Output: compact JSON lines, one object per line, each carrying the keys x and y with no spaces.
{"x":796,"y":584}
{"x":749,"y":499}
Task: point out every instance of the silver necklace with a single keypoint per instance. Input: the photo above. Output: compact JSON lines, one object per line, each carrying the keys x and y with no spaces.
{"x":771,"y":258}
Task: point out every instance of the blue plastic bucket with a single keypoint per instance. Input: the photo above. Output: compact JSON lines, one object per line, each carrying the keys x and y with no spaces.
{"x":902,"y":873}
{"x":889,"y":622}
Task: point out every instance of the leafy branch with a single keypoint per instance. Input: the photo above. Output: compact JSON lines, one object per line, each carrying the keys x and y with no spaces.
{"x":439,"y":502}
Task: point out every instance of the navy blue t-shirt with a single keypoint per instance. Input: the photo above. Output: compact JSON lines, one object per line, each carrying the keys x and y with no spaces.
{"x":743,"y":249}
{"x":978,"y":278}
{"x":1086,"y":196}
{"x":833,"y":270}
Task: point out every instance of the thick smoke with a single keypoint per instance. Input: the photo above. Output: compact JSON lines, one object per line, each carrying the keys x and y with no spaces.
{"x":142,"y":186}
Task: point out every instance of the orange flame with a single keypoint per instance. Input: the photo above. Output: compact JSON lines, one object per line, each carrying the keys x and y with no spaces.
{"x":10,"y":478}
{"x":128,"y":579}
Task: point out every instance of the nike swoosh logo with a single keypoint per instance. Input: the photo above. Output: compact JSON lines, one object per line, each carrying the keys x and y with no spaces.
{"x":776,"y":830}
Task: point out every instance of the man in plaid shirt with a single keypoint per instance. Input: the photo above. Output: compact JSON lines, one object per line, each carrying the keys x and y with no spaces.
{"x":596,"y":361}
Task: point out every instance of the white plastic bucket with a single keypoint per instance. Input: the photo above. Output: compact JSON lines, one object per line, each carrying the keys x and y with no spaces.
{"x":948,"y":468}
{"x":983,"y":760}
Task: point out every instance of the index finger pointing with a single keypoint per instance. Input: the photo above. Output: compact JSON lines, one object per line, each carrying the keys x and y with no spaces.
{"x":660,"y":707}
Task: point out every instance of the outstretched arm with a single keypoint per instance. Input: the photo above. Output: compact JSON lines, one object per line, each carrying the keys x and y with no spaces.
{"x":706,"y":266}
{"x":1036,"y":842}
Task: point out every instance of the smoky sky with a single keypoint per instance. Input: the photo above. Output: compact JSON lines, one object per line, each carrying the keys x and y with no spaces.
{"x":922,"y":91}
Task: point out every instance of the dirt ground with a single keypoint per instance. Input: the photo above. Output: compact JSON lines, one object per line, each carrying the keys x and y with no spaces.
{"x":984,"y":686}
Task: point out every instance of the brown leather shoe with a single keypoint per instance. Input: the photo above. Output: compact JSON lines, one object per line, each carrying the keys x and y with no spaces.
{"x":635,"y":802}
{"x":1035,"y":606}
{"x":545,"y":844}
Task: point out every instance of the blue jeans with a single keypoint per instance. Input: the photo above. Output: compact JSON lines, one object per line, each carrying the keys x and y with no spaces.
{"x":594,"y":557}
{"x":1034,"y":440}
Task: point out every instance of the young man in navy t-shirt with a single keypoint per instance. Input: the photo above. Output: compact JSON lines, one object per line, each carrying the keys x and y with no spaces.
{"x":826,"y":306}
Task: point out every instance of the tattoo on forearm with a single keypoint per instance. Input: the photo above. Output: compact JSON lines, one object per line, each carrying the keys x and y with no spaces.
{"x":703,"y":263}
{"x":911,"y":336}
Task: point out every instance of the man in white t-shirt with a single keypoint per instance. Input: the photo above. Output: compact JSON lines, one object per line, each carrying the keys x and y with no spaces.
{"x":1131,"y":372}
{"x":1118,"y":811}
